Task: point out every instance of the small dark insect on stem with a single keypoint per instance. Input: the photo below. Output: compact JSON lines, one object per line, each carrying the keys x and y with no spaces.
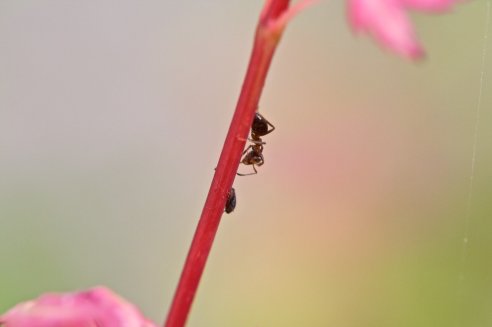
{"x":231,"y":201}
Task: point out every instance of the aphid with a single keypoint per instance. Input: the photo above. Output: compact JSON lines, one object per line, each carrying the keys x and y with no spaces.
{"x":231,"y":201}
{"x":260,"y":127}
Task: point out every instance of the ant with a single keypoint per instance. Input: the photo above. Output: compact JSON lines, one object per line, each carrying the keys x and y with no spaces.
{"x":231,"y":201}
{"x":260,"y":127}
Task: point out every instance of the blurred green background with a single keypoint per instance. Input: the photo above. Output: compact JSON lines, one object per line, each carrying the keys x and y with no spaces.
{"x":112,"y":117}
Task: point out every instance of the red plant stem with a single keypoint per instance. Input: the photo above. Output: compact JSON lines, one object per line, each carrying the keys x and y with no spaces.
{"x":263,"y":50}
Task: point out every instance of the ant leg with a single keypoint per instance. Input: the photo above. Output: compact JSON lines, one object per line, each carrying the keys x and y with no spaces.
{"x":249,"y":173}
{"x":262,"y":161}
{"x":246,"y":150}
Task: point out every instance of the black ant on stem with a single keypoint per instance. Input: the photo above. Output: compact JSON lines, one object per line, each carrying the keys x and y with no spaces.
{"x":260,"y":127}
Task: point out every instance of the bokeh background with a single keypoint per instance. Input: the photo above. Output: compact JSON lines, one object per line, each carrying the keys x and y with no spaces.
{"x":112,"y":117}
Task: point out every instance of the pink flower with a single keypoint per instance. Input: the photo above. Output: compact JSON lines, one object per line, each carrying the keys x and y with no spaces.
{"x":97,"y":307}
{"x":388,"y":22}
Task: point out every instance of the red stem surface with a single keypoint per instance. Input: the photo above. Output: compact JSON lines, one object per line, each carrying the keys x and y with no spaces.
{"x":264,"y":47}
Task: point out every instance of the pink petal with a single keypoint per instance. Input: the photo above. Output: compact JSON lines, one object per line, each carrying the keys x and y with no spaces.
{"x":97,"y":307}
{"x":388,"y":22}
